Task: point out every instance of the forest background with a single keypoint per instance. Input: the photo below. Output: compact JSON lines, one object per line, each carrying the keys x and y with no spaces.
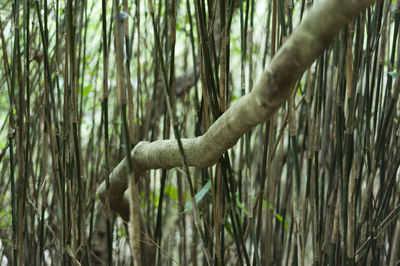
{"x":276,"y":156}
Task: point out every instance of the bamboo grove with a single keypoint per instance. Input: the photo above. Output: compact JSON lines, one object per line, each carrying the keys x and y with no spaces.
{"x":84,"y":83}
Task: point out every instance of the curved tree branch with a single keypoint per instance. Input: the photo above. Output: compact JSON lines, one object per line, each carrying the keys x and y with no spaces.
{"x":315,"y":33}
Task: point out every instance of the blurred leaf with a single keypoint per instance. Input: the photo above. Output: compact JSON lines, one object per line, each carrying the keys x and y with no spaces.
{"x":299,"y":92}
{"x":199,"y":196}
{"x":172,"y":192}
{"x":240,"y":204}
{"x":279,"y":217}
{"x":7,"y":241}
{"x":87,"y":89}
{"x":228,"y":228}
{"x":393,"y":74}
